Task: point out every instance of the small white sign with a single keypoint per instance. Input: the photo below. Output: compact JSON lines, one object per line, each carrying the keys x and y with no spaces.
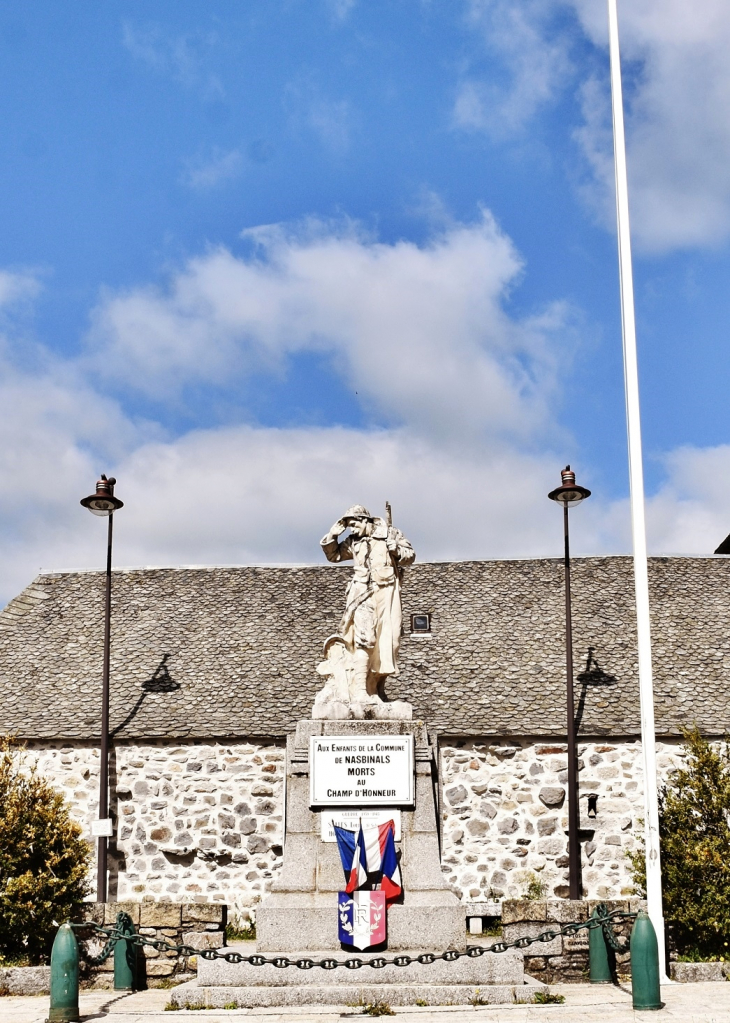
{"x":350,"y":819}
{"x":102,"y":828}
{"x":354,"y":770}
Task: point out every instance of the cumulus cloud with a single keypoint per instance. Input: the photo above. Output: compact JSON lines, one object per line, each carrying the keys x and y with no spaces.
{"x":421,"y":333}
{"x":678,"y":88}
{"x":676,"y":91}
{"x":533,"y":64}
{"x":465,"y":442}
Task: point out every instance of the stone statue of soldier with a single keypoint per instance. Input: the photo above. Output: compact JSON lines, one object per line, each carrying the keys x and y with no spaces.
{"x":365,"y":651}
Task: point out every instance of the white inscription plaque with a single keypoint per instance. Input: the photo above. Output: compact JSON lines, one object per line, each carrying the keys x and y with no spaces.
{"x":350,"y":819}
{"x":347,"y":770}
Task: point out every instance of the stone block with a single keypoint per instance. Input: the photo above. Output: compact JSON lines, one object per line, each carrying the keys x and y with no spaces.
{"x":298,"y":815}
{"x":552,"y":796}
{"x":203,"y":912}
{"x":356,"y":994}
{"x":510,"y":932}
{"x":699,"y":973}
{"x":203,"y":939}
{"x":160,"y":914}
{"x":490,"y":968}
{"x":298,"y":873}
{"x":112,"y":908}
{"x":424,"y":814}
{"x":435,"y":918}
{"x":161,"y":968}
{"x":301,"y":922}
{"x":565,"y":911}
{"x":330,"y":875}
{"x":519,"y":910}
{"x":297,"y":921}
{"x":25,"y":980}
{"x":420,"y":862}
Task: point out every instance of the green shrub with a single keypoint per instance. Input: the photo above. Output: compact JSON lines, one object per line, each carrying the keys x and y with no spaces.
{"x":377,"y":1009}
{"x":535,"y":889}
{"x":548,"y":998}
{"x":44,"y":861}
{"x":694,"y":830}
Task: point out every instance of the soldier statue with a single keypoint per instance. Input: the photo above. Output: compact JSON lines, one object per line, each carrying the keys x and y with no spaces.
{"x":364,"y":653}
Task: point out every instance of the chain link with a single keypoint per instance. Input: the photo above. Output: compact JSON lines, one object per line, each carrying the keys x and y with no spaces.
{"x":614,"y":943}
{"x":124,"y":927}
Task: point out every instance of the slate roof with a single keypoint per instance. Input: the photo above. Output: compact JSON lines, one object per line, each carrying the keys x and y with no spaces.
{"x":204,"y":652}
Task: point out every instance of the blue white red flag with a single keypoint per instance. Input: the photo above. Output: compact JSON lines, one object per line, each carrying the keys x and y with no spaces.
{"x":361,"y":918}
{"x":370,"y":850}
{"x":352,"y":854}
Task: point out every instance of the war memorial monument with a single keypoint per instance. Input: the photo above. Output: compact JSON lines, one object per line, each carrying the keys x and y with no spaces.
{"x":238,"y":692}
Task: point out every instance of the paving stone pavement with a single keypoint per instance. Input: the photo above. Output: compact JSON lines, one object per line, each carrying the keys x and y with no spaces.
{"x":684,"y":1003}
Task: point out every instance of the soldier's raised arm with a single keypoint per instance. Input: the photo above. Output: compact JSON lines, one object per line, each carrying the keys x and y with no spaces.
{"x":333,"y":549}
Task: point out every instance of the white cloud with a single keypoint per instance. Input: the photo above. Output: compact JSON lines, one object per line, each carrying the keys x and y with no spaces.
{"x":180,"y":57}
{"x":421,"y":333}
{"x":203,"y":174}
{"x":677,"y":89}
{"x":676,"y":92}
{"x":691,"y":510}
{"x":532,"y":56}
{"x":17,"y":286}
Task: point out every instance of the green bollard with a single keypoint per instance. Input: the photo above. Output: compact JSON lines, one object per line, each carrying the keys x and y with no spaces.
{"x":125,"y":958}
{"x":645,"y":964}
{"x":64,"y":977}
{"x":598,"y":955}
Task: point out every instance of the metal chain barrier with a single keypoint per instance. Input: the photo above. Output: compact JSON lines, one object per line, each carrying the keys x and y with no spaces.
{"x":603,"y":919}
{"x":613,"y":942}
{"x":123,"y":924}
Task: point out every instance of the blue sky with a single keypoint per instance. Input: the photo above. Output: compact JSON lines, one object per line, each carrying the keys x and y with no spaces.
{"x":276,"y":257}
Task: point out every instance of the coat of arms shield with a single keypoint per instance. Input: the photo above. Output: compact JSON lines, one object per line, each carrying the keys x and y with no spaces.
{"x":361,"y":919}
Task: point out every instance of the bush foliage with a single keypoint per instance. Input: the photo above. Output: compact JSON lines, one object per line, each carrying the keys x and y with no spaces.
{"x":43,"y":860}
{"x":694,"y":829}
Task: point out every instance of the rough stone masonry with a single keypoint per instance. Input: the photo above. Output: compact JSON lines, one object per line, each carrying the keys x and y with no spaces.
{"x":211,"y":668}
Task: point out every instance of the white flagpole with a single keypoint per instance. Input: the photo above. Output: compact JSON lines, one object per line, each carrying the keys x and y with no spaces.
{"x":636,"y":482}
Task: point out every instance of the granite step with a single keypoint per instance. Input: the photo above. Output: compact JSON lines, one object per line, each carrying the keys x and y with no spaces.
{"x":502,"y":968}
{"x":191,"y":995}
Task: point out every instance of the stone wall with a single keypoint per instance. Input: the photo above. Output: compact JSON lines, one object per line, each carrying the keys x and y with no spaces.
{"x":565,"y":958}
{"x":505,"y":816}
{"x":200,"y":926}
{"x":203,"y":821}
{"x":200,"y":822}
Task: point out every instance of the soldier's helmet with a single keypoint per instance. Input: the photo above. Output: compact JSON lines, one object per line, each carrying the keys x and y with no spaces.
{"x":356,"y":512}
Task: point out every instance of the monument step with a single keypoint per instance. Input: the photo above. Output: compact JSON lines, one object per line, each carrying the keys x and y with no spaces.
{"x":190,"y":995}
{"x":488,"y":969}
{"x":292,"y":922}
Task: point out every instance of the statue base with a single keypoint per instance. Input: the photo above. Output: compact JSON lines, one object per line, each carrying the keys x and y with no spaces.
{"x":300,"y":914}
{"x":328,"y":709}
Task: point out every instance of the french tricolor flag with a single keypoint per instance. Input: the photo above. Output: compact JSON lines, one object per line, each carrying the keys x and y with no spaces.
{"x":370,"y":851}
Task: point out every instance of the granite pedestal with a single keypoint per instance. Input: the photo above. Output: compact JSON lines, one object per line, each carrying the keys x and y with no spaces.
{"x":300,"y":914}
{"x":299,"y":917}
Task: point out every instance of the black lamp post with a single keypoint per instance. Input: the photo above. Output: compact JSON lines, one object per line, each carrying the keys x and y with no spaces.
{"x":569,"y":494}
{"x":103,"y":502}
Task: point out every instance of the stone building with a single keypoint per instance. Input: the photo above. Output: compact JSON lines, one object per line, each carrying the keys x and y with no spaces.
{"x":212,"y":667}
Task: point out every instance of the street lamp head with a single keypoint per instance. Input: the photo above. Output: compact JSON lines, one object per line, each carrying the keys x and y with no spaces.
{"x":103,"y":502}
{"x":569,"y":493}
